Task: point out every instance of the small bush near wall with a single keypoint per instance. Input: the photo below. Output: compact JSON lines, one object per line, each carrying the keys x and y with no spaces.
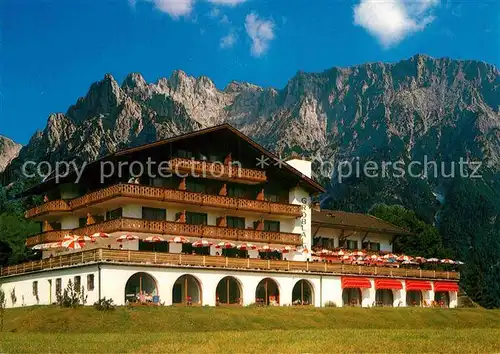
{"x":330,"y":304}
{"x":72,"y":296}
{"x":3,"y":304}
{"x":104,"y":304}
{"x":13,"y":296}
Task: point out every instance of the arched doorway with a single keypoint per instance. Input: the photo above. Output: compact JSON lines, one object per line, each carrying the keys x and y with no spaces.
{"x":267,"y":292}
{"x":302,"y":293}
{"x":187,"y":291}
{"x":228,"y":292}
{"x":414,"y":298}
{"x":351,"y":296}
{"x":384,"y":297}
{"x":141,"y":287}
{"x":442,"y":298}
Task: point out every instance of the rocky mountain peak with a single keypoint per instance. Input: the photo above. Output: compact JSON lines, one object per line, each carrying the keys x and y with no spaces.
{"x":134,"y":81}
{"x":8,"y":151}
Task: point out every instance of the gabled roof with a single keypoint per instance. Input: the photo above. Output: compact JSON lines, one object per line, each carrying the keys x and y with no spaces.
{"x":307,"y":181}
{"x":354,"y":221}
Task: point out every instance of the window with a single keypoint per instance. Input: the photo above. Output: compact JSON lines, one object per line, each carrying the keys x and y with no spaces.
{"x":82,"y":222}
{"x":58,"y":285}
{"x":374,"y":246}
{"x":114,"y":214}
{"x":236,"y":192}
{"x":352,"y":244}
{"x":77,"y":280}
{"x":196,"y":218}
{"x":236,"y":222}
{"x":55,"y":225}
{"x":184,"y":154}
{"x":273,"y":226}
{"x":35,"y":288}
{"x":154,"y":214}
{"x":90,"y":282}
{"x":196,"y":187}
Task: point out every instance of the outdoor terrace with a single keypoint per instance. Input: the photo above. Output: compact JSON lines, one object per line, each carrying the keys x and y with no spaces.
{"x":170,"y":228}
{"x":182,"y":260}
{"x":136,"y":191}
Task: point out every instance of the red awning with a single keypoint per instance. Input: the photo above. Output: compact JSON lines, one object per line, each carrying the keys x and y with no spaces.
{"x":445,"y":286}
{"x":418,"y":285}
{"x":355,"y":282}
{"x":392,"y":284}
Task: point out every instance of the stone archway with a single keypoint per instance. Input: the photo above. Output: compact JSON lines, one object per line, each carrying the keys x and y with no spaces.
{"x":267,"y":292}
{"x":141,"y":287}
{"x":414,"y":298}
{"x":228,"y":292}
{"x":351,"y":297}
{"x":187,"y":290}
{"x":384,"y":297}
{"x":302,"y":293}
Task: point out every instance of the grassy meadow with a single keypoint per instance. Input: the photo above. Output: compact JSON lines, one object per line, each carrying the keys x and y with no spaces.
{"x":250,"y":330}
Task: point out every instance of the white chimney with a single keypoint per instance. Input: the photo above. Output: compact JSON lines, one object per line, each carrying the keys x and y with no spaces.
{"x":302,"y":165}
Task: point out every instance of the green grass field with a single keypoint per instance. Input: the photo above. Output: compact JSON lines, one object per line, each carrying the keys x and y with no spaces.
{"x":255,"y":330}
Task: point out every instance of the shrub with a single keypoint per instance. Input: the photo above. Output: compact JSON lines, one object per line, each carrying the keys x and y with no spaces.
{"x":330,"y":304}
{"x":72,"y":296}
{"x":104,"y":304}
{"x":3,"y":304}
{"x":13,"y":296}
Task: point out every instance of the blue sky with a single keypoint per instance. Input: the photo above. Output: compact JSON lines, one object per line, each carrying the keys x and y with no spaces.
{"x":51,"y":51}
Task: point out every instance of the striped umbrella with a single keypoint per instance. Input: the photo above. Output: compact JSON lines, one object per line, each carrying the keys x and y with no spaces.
{"x":225,"y":245}
{"x":246,"y":247}
{"x":404,"y":258}
{"x":178,"y":239}
{"x":325,"y":252}
{"x":123,"y":238}
{"x":84,"y":238}
{"x":432,"y":260}
{"x":390,"y":256}
{"x":346,"y":257}
{"x":420,"y":259}
{"x":288,"y":249}
{"x":267,"y":248}
{"x":72,"y":244}
{"x":340,"y":253}
{"x":447,"y":261}
{"x":358,"y":254}
{"x":154,"y":239}
{"x":202,"y":243}
{"x":100,"y":235}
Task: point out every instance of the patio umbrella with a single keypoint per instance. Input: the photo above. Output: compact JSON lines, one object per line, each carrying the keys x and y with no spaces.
{"x":408,"y":262}
{"x":154,"y":239}
{"x":72,"y":244}
{"x":447,"y":261}
{"x":100,"y":235}
{"x":178,"y":239}
{"x":123,"y":238}
{"x":84,"y":238}
{"x":340,"y":253}
{"x":346,"y":257}
{"x":420,"y":259}
{"x":325,"y":252}
{"x":432,"y":260}
{"x":246,"y":247}
{"x":225,"y":245}
{"x":390,"y":256}
{"x":288,"y":249}
{"x":358,"y":254}
{"x":404,"y":258}
{"x":459,"y":262}
{"x":266,"y":248}
{"x":202,"y":243}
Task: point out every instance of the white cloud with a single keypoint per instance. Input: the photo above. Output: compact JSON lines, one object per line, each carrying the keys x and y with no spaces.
{"x":390,"y":21}
{"x":228,"y":41}
{"x":261,"y":32}
{"x":227,"y":2}
{"x":175,"y":8}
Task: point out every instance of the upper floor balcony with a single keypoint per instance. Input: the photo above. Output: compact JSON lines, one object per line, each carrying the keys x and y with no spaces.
{"x":140,"y":192}
{"x":171,"y":228}
{"x":214,"y":170}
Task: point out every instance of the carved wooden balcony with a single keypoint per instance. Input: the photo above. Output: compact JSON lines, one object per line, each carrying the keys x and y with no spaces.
{"x":213,"y":170}
{"x":171,"y":228}
{"x":136,"y":191}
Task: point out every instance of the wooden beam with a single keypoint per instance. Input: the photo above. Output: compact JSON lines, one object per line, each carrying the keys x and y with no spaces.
{"x":364,"y":238}
{"x":316,"y":232}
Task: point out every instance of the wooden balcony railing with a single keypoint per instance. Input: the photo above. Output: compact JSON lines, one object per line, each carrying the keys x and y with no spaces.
{"x":174,"y":259}
{"x":213,"y":170}
{"x":168,"y":195}
{"x":171,"y":228}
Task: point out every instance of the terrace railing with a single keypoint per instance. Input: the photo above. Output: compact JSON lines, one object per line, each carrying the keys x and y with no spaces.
{"x":171,"y":228}
{"x":175,"y":259}
{"x":168,"y":195}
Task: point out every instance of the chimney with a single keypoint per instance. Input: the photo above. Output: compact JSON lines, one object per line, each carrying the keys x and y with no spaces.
{"x":301,"y":164}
